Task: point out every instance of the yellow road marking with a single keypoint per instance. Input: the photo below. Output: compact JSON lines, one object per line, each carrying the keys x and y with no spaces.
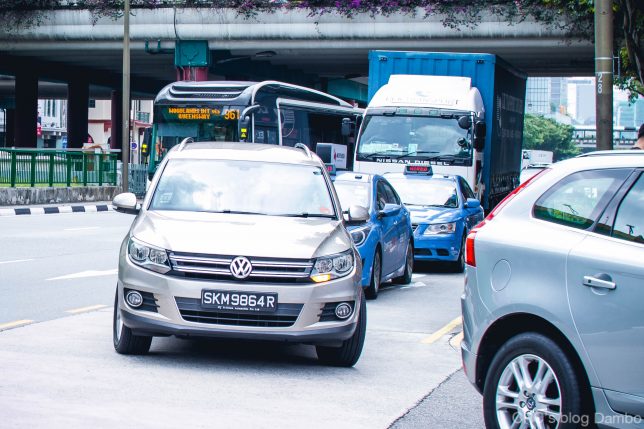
{"x":85,"y":309}
{"x":442,"y":331}
{"x":456,"y":339}
{"x":15,"y":324}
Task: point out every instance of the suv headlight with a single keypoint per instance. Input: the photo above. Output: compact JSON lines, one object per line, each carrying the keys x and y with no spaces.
{"x":146,"y":256}
{"x":440,"y":228}
{"x":359,"y":235}
{"x":333,"y":266}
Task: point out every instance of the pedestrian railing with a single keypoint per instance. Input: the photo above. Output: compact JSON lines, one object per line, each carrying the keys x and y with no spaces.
{"x":56,"y":167}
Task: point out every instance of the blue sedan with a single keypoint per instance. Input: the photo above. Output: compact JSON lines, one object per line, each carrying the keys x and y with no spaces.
{"x":385,"y":241}
{"x":443,"y":210}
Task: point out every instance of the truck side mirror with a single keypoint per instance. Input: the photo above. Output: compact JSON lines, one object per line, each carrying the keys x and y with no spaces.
{"x":479,"y":135}
{"x":347,"y":127}
{"x":465,"y":122}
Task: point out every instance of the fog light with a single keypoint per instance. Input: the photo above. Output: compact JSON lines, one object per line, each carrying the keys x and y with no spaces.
{"x":343,"y":310}
{"x":134,"y":299}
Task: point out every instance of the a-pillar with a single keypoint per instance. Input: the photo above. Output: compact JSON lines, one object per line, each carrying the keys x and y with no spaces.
{"x":26,"y":115}
{"x":77,"y":113}
{"x":116,"y":135}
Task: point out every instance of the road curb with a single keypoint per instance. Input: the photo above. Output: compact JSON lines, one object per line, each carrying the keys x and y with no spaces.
{"x":91,"y":208}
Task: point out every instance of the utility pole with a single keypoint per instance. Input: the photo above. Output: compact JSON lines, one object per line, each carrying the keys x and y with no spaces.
{"x":125,"y":138}
{"x":604,"y":73}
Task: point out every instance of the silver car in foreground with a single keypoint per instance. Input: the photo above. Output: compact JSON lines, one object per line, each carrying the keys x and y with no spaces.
{"x":240,"y":241}
{"x":553,"y":306}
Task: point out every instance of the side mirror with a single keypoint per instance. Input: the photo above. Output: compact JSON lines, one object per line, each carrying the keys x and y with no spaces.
{"x":465,"y":122}
{"x":389,"y":210}
{"x":479,"y":135}
{"x":472,"y":203}
{"x":347,"y":127}
{"x":357,"y":214}
{"x":126,"y":203}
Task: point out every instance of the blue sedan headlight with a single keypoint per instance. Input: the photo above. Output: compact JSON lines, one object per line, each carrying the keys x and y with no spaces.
{"x":440,"y":228}
{"x":359,"y":235}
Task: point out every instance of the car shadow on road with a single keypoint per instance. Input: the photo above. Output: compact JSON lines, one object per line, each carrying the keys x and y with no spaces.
{"x":430,"y":267}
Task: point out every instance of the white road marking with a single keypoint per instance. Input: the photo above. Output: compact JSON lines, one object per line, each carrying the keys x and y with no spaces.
{"x":16,"y":260}
{"x":84,"y":274}
{"x":81,"y":229}
{"x":65,"y":209}
{"x":7,"y":212}
{"x":37,"y":210}
{"x":86,"y":309}
{"x":417,"y":284}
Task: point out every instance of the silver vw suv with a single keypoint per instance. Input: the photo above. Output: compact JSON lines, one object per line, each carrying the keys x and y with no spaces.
{"x":244,"y":241}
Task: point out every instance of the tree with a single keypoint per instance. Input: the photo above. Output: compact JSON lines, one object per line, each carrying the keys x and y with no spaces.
{"x":542,"y":133}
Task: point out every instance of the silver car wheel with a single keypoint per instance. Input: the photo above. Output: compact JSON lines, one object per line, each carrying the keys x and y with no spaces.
{"x":528,"y":395}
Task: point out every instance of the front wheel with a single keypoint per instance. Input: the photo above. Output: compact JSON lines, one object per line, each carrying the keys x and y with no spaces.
{"x":349,"y":352}
{"x":376,"y":274}
{"x":531,"y":383}
{"x":125,"y":342}
{"x":405,"y":279}
{"x":459,"y":264}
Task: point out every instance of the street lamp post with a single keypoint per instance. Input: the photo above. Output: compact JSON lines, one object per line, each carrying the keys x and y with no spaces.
{"x":604,"y":73}
{"x":125,"y":138}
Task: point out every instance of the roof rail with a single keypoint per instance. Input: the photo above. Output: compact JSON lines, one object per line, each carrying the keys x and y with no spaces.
{"x":305,"y":148}
{"x":184,"y":142}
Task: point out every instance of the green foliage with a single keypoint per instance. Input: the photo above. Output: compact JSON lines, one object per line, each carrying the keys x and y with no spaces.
{"x":542,"y":133}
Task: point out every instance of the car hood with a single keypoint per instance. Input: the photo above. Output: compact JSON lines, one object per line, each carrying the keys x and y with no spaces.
{"x":421,"y":214}
{"x":248,"y":235}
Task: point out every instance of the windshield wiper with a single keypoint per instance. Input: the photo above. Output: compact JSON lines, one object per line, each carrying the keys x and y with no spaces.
{"x":306,"y":215}
{"x":228,"y":211}
{"x":381,"y":153}
{"x":416,"y":153}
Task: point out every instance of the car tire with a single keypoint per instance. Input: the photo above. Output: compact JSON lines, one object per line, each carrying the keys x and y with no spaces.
{"x":521,"y":360}
{"x":125,"y":342}
{"x":376,"y":276}
{"x":349,"y":352}
{"x":405,"y":279}
{"x":459,"y":264}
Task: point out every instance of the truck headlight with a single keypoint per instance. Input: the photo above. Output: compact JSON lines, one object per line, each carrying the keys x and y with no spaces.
{"x":146,"y":256}
{"x":440,"y":228}
{"x":359,"y":235}
{"x":333,"y":266}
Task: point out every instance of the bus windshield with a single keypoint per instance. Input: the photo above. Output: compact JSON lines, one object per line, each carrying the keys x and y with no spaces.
{"x":385,"y":137}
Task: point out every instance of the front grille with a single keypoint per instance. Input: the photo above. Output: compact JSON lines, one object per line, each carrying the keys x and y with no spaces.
{"x":192,"y":311}
{"x":442,"y":252}
{"x":328,"y":311}
{"x":216,"y":267}
{"x":423,"y":252}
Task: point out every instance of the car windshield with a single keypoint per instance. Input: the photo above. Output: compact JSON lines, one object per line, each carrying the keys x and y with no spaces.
{"x":352,"y":194}
{"x":244,"y":187}
{"x":435,"y":192}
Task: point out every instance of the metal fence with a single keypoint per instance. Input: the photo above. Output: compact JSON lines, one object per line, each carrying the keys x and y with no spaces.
{"x":53,"y":167}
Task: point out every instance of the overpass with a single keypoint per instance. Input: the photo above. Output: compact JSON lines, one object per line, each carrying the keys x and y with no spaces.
{"x":70,"y":56}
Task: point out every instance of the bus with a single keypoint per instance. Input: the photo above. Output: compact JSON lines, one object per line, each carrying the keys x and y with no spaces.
{"x":268,"y":112}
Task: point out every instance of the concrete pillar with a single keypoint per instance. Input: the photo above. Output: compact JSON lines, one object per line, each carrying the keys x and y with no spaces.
{"x":77,"y":113}
{"x":9,"y":127}
{"x":26,"y":114}
{"x":116,"y":136}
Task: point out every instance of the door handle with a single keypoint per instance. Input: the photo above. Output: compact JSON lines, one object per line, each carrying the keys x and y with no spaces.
{"x":599,"y":280}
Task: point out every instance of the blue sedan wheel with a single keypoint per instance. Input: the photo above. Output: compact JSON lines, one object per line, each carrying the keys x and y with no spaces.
{"x":376,"y":272}
{"x":409,"y":267}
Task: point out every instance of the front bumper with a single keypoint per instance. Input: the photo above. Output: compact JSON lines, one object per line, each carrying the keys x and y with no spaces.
{"x":437,"y":248}
{"x":179,"y":312}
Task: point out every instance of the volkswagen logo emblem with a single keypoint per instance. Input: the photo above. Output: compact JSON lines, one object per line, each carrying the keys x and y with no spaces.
{"x":240,"y":267}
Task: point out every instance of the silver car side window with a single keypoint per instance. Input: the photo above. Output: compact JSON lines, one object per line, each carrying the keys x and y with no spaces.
{"x":629,"y":224}
{"x":578,"y":199}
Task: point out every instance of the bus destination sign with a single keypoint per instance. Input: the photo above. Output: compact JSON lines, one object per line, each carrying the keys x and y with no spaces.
{"x":199,"y":113}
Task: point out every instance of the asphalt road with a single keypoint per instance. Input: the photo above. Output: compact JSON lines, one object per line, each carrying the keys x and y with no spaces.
{"x":58,"y":368}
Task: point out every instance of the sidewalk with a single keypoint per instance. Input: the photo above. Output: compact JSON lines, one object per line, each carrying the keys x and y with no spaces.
{"x":86,"y":207}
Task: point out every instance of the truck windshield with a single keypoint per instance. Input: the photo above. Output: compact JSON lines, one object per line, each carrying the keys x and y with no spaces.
{"x":414,"y":137}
